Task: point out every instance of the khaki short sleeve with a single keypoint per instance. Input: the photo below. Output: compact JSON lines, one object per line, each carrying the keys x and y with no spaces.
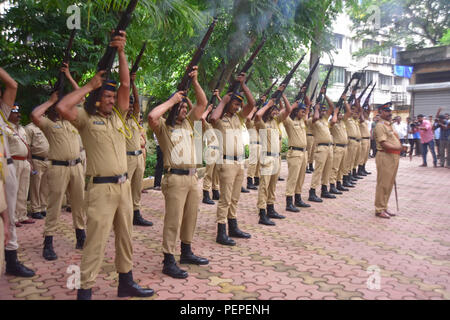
{"x":44,"y":124}
{"x":82,"y":118}
{"x":260,"y":124}
{"x":380,"y":133}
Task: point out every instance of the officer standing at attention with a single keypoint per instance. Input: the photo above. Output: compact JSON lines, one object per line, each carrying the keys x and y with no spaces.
{"x":231,"y":170}
{"x":354,"y":138}
{"x":310,"y":145}
{"x":180,"y":181}
{"x":108,"y":191}
{"x":387,"y":160}
{"x":4,"y":219}
{"x":253,"y":167}
{"x":135,"y":157}
{"x":365,"y":141}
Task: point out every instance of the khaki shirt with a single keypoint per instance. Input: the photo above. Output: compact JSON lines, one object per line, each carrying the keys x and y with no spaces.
{"x":321,"y":131}
{"x":209,"y":135}
{"x":339,"y":132}
{"x":177,"y":143}
{"x":5,"y":112}
{"x":17,"y":140}
{"x":353,"y":128}
{"x":3,"y":160}
{"x":273,"y":130}
{"x":231,"y":130}
{"x":38,"y":142}
{"x":385,"y":132}
{"x":134,"y":143}
{"x":296,"y":131}
{"x":364,"y":129}
{"x":309,"y":127}
{"x":104,"y":141}
{"x":252,"y":132}
{"x":63,"y":139}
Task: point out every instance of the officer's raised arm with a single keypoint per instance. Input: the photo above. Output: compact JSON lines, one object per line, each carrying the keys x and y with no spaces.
{"x":200,"y":98}
{"x":39,"y":111}
{"x":123,"y":93}
{"x":10,"y":92}
{"x":157,"y":112}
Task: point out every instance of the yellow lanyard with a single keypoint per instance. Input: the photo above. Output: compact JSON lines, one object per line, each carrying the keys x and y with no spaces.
{"x":6,"y":120}
{"x":135,"y":121}
{"x":130,"y":134}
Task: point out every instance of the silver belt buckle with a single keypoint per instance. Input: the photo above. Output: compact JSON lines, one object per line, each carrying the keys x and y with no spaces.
{"x":192,"y":171}
{"x":72,"y":162}
{"x":122,"y":179}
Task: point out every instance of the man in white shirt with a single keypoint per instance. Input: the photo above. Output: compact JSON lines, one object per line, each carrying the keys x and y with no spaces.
{"x":402,"y":130}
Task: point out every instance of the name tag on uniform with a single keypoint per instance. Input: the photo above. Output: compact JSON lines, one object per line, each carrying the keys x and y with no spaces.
{"x":99,"y":122}
{"x":57,"y":126}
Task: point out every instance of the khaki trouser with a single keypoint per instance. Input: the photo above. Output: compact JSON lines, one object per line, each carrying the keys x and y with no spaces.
{"x":64,"y":178}
{"x":352,"y":150}
{"x":296,"y":172}
{"x":253,"y":160}
{"x":211,"y":177}
{"x":39,"y":186}
{"x":181,"y":199}
{"x":11,"y":186}
{"x":341,"y":171}
{"x":23,"y":178}
{"x":136,"y":168}
{"x":364,"y":154}
{"x":357,"y":155}
{"x":310,"y":146}
{"x":2,"y":235}
{"x":231,"y":175}
{"x":270,"y":170}
{"x":323,"y":160}
{"x":107,"y":205}
{"x":338,"y":164}
{"x":387,"y":167}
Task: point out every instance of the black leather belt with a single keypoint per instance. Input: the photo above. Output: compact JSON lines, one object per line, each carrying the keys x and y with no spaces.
{"x":340,"y":145}
{"x":366,"y":138}
{"x":69,"y":163}
{"x":235,"y":158}
{"x":181,"y":172}
{"x":134,"y":153}
{"x":309,"y":134}
{"x":353,"y":138}
{"x":39,"y":158}
{"x":116,"y":179}
{"x":297,"y":148}
{"x":324,"y":144}
{"x":271,"y":154}
{"x":9,"y":161}
{"x":255,"y":142}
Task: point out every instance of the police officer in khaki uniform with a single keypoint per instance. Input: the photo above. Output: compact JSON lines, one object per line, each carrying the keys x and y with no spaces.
{"x":323,"y":154}
{"x":39,"y":183}
{"x":108,"y":199}
{"x":211,"y":177}
{"x":340,"y":141}
{"x":135,"y":157}
{"x":253,"y":166}
{"x":387,"y":160}
{"x":267,"y":122}
{"x":297,"y":156}
{"x":310,"y":146}
{"x":354,"y":139}
{"x":180,"y":181}
{"x":356,"y":115}
{"x":231,"y":170}
{"x":4,"y":219}
{"x":365,"y":142}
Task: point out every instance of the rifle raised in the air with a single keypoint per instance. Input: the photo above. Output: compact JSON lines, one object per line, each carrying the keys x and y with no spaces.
{"x":265,"y":94}
{"x":277,"y":94}
{"x":107,"y":60}
{"x":213,"y":98}
{"x":59,"y":85}
{"x":364,"y":91}
{"x":304,"y":88}
{"x":324,"y":86}
{"x":314,"y":92}
{"x":365,"y":105}
{"x":340,"y":103}
{"x":135,"y":66}
{"x":355,"y":87}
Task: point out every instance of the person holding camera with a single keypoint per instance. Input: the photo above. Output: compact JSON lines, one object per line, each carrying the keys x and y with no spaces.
{"x":426,"y":137}
{"x":444,"y":138}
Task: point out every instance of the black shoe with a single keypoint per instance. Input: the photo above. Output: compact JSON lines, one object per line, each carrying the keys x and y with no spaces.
{"x":264,"y":219}
{"x":325,"y":194}
{"x":235,"y":232}
{"x":290,"y":206}
{"x":298,"y":201}
{"x":216,"y":194}
{"x":48,"y":253}
{"x":188,"y":257}
{"x":360,"y":171}
{"x":84,"y":294}
{"x":355,"y":174}
{"x":138,"y":220}
{"x":129,"y":288}
{"x":271,"y":213}
{"x":364,"y":169}
{"x":256,"y":181}
{"x":311,"y":168}
{"x":313,"y":197}
{"x":280,"y":179}
{"x":333,"y":189}
{"x":68,"y":209}
{"x":206,"y":198}
{"x":43,"y":213}
{"x":81,"y":237}
{"x":171,"y":269}
{"x":222,"y":236}
{"x":37,"y":215}
{"x":243,"y":190}
{"x":347,"y":182}
{"x":250,"y":184}
{"x":14,"y":267}
{"x":307,"y":170}
{"x":340,"y":187}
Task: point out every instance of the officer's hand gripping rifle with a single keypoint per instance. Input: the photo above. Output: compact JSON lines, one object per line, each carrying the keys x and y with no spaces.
{"x":355,"y":87}
{"x":266,"y":94}
{"x":107,"y":60}
{"x":340,"y":103}
{"x":324,"y":87}
{"x":213,"y":98}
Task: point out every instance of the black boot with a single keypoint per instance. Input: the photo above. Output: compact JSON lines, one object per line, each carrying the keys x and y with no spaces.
{"x":340,"y":187}
{"x":264,"y":219}
{"x":299,"y":202}
{"x":243,"y":190}
{"x":250,"y":184}
{"x":290,"y":206}
{"x":360,"y":171}
{"x":307,"y":170}
{"x":188,"y":257}
{"x":84,"y":294}
{"x":138,"y":220}
{"x":14,"y":267}
{"x":222,"y":236}
{"x":313,"y":197}
{"x":235,"y":232}
{"x":355,"y":174}
{"x":37,"y":215}
{"x":364,"y":169}
{"x":333,"y":189}
{"x":129,"y":288}
{"x":271,"y":213}
{"x":280,"y":178}
{"x":48,"y":253}
{"x":347,"y":182}
{"x":171,"y":269}
{"x":326,"y":194}
{"x":206,"y":198}
{"x":256,"y":181}
{"x":311,"y":168}
{"x":216,"y":194}
{"x":43,"y":213}
{"x":81,"y":237}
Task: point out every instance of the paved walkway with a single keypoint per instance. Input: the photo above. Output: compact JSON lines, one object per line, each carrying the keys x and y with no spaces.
{"x":323,"y":252}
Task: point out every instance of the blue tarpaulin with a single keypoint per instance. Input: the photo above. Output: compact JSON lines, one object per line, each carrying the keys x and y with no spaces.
{"x":401,"y":71}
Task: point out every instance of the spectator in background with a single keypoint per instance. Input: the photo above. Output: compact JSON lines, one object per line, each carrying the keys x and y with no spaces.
{"x":437,"y":135}
{"x":444,"y":138}
{"x":426,"y":137}
{"x":416,"y":135}
{"x":402,"y":131}
{"x":373,"y":144}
